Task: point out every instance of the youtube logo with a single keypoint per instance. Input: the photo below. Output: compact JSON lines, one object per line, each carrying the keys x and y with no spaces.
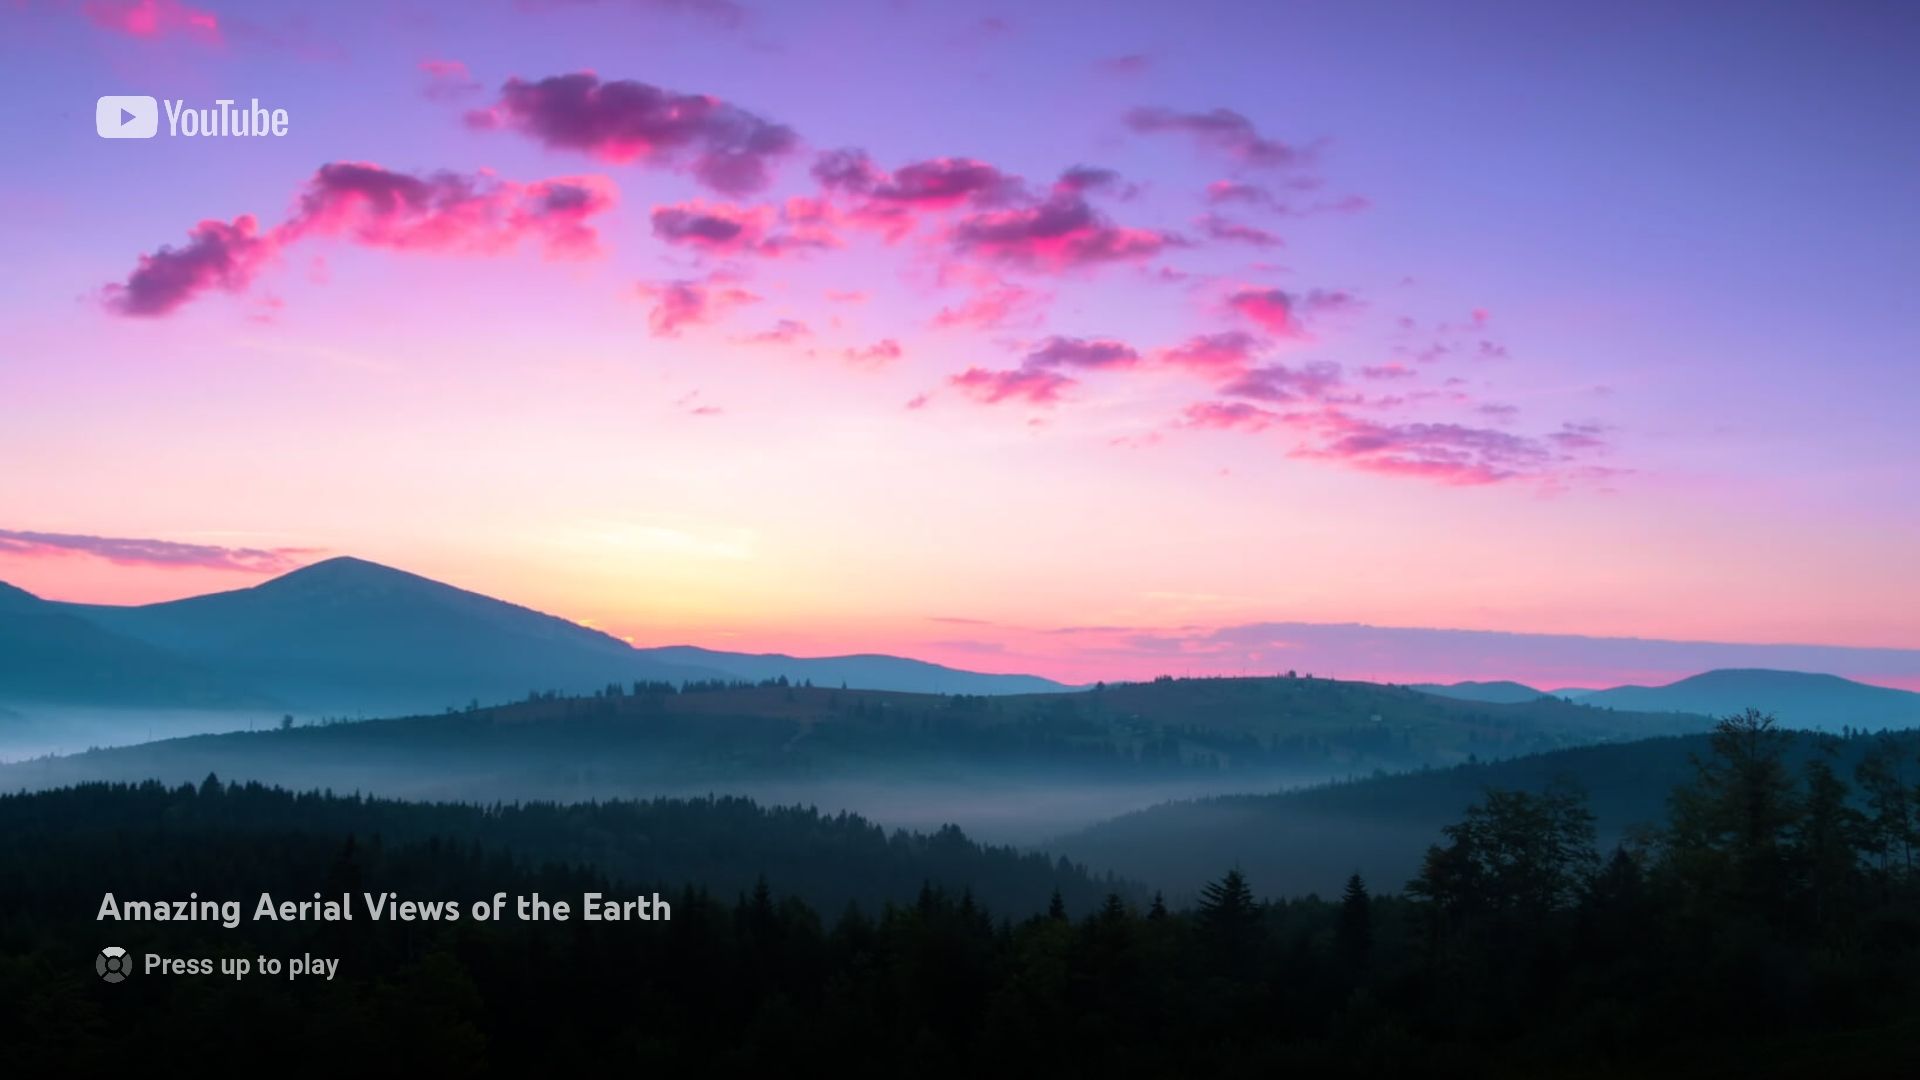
{"x":126,"y":117}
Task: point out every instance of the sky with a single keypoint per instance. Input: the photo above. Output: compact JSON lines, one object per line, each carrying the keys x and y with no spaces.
{"x":1096,"y":340}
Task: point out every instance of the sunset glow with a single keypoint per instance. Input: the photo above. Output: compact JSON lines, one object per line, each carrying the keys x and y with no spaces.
{"x":1067,"y":339}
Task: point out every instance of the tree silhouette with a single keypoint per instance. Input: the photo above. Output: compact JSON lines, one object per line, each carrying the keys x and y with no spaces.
{"x":1354,"y":933}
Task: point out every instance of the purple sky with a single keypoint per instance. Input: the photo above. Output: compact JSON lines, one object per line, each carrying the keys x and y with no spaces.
{"x":826,"y":326}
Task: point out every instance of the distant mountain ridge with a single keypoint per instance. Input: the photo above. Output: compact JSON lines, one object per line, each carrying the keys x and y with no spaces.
{"x":347,"y":636}
{"x":1502,"y":692}
{"x":50,"y":654}
{"x":1795,"y":698}
{"x":866,"y":671}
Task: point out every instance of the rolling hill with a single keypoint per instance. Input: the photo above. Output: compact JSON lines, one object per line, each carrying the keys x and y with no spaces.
{"x":1503,"y":692}
{"x":1796,"y":699}
{"x":1013,"y":767}
{"x":1309,"y":840}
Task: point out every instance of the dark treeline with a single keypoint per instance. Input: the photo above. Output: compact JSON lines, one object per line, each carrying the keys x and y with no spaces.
{"x":1770,"y":926}
{"x":252,"y":837}
{"x":1310,"y":838}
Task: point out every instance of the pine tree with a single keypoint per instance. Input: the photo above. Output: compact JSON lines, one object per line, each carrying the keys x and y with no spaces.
{"x":1229,"y":915}
{"x":1891,"y":833}
{"x":1826,"y":840}
{"x":1354,"y":934}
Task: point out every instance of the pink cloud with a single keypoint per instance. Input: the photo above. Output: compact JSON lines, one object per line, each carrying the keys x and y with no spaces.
{"x":1577,"y":437}
{"x":1061,"y":233}
{"x":1227,"y":192}
{"x":1388,"y":371}
{"x":1279,"y":312}
{"x":1270,"y":308}
{"x":1082,"y":179}
{"x":1220,"y":129}
{"x":1130,"y":64}
{"x":1220,"y":228}
{"x":623,"y":121}
{"x":995,"y":307}
{"x":1097,"y":354}
{"x":1038,"y":380}
{"x":366,"y":204}
{"x":218,"y":255}
{"x":170,"y":554}
{"x":1214,"y":355}
{"x":893,"y":203}
{"x":691,"y":302}
{"x":784,"y":332}
{"x":1234,"y":191}
{"x":449,"y":212}
{"x":937,"y":182}
{"x":151,"y":19}
{"x":722,"y":229}
{"x":1448,"y":453}
{"x":1034,"y":386}
{"x":449,"y":80}
{"x":878,"y":354}
{"x":1277,"y":382}
{"x":1228,"y":416}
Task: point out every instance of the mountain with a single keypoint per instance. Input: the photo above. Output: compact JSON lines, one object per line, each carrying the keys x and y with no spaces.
{"x":1795,"y":698}
{"x":1503,"y":692}
{"x":51,"y":656}
{"x":347,"y":636}
{"x":868,"y":671}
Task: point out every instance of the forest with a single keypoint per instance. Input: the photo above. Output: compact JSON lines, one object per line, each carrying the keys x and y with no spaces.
{"x":1310,"y":838}
{"x":1015,"y":768}
{"x":1768,"y":925}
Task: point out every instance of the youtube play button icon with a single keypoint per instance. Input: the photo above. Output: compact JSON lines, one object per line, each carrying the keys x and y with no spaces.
{"x":126,"y":117}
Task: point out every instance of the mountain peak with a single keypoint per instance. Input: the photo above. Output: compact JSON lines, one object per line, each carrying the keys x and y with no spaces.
{"x":346,"y":575}
{"x":341,"y":567}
